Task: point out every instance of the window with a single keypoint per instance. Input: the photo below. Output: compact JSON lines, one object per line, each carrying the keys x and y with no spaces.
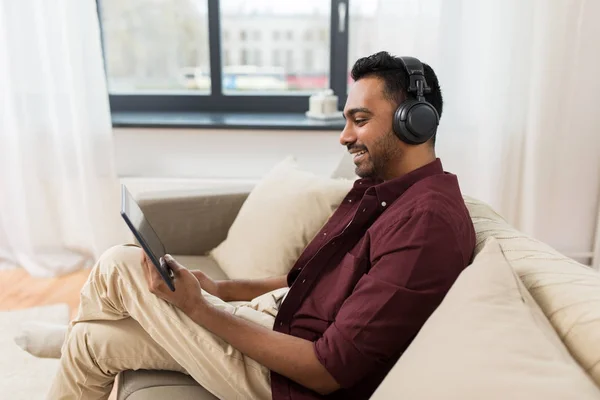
{"x":277,"y":58}
{"x":284,"y":76}
{"x":258,"y":58}
{"x":308,"y":60}
{"x":289,"y":61}
{"x":323,"y":35}
{"x":222,"y":55}
{"x":226,"y":57}
{"x":244,"y":57}
{"x":152,"y":46}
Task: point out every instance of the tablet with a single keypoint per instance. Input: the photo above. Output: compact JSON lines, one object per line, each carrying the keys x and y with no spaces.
{"x":145,"y":235}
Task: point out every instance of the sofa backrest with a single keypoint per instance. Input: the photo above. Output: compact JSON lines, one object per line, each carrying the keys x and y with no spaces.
{"x":567,"y":292}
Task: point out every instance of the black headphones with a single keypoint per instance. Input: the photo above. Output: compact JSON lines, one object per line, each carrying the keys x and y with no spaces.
{"x":415,"y":120}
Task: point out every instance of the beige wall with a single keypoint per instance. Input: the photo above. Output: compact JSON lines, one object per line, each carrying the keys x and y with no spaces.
{"x":221,"y":154}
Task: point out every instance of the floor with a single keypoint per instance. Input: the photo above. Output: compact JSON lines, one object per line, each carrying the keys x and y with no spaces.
{"x":20,"y":290}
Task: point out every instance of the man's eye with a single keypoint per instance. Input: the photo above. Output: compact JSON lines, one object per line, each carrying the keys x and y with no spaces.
{"x":359,"y":121}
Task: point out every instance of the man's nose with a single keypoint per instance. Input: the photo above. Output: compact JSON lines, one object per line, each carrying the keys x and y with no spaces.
{"x":347,"y":136}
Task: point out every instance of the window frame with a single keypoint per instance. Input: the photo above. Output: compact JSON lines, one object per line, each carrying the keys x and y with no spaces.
{"x":216,"y":100}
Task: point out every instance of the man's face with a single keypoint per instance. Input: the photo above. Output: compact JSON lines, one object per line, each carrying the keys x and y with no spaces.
{"x":368,"y":132}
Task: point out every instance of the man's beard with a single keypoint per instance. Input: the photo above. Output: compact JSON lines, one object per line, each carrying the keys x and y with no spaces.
{"x":382,"y":155}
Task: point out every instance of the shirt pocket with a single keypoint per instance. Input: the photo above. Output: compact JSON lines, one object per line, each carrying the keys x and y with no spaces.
{"x":339,"y":284}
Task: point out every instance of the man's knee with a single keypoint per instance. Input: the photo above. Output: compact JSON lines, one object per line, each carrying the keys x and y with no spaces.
{"x":90,"y":344}
{"x":118,"y":345}
{"x":120,"y":255}
{"x":76,"y":343}
{"x":100,"y":338}
{"x":123,"y":252}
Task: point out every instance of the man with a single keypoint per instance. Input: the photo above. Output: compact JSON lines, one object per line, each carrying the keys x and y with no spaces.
{"x":358,"y":294}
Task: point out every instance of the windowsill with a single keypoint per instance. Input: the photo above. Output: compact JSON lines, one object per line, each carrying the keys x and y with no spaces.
{"x":223,"y":120}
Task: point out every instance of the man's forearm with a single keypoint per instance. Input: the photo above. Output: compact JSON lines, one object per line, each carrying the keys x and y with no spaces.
{"x":246,"y":290}
{"x":287,"y":355}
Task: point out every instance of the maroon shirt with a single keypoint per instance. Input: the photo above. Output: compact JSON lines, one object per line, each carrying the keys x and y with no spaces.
{"x":368,"y":281}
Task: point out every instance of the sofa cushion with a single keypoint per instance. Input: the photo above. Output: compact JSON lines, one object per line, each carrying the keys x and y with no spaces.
{"x":281,"y":215}
{"x":206,"y":264}
{"x":487,"y":340}
{"x":567,"y":291}
{"x":172,"y":392}
{"x":159,"y":385}
{"x":345,"y":167}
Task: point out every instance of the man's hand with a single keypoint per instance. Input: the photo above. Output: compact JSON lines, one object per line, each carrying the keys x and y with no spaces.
{"x":207,"y":283}
{"x":187,"y":295}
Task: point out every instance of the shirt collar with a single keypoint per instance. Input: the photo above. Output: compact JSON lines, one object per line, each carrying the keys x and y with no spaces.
{"x":389,"y":191}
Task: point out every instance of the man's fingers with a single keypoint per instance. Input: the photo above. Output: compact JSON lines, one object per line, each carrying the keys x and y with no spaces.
{"x":150,"y":273}
{"x":174,"y":265}
{"x":171,"y":261}
{"x":153,"y":277}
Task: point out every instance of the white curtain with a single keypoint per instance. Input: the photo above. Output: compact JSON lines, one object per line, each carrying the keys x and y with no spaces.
{"x":59,"y":195}
{"x":521,"y":80}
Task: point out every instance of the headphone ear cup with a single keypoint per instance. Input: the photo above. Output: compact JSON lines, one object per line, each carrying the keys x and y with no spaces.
{"x":415,"y":122}
{"x":399,"y":121}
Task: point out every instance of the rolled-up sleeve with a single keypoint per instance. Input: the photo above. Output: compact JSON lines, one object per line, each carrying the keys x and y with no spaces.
{"x":414,"y":265}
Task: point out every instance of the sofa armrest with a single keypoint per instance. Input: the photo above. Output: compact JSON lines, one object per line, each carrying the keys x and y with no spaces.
{"x":192,"y":222}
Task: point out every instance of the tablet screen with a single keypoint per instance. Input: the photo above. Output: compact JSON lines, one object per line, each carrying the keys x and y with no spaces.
{"x":145,"y":235}
{"x":142,"y":226}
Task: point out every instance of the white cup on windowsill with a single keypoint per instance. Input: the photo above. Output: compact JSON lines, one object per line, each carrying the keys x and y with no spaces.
{"x":323,"y":106}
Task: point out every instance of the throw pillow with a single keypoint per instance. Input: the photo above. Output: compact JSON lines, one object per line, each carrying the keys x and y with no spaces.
{"x":345,"y":167}
{"x":567,"y":292}
{"x":487,"y":340}
{"x":281,"y":215}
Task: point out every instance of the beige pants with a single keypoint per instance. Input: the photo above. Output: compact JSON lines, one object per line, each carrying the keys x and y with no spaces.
{"x":122,"y":326}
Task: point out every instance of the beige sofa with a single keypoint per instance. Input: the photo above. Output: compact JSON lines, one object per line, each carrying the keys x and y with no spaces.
{"x":192,"y":223}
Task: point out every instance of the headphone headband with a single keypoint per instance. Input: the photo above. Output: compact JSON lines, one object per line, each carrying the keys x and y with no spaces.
{"x":416,"y":73}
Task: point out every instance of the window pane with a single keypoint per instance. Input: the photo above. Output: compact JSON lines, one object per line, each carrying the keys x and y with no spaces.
{"x":156,"y":45}
{"x":276,"y":58}
{"x":287,"y":52}
{"x":258,"y":57}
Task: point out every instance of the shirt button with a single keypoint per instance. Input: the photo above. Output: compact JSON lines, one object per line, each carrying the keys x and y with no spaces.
{"x":280,"y":323}
{"x":364,"y":209}
{"x":303,"y":280}
{"x":324,"y":233}
{"x":350,"y":201}
{"x":383,"y":204}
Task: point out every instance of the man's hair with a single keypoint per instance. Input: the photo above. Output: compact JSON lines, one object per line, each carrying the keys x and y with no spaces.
{"x":391,"y":70}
